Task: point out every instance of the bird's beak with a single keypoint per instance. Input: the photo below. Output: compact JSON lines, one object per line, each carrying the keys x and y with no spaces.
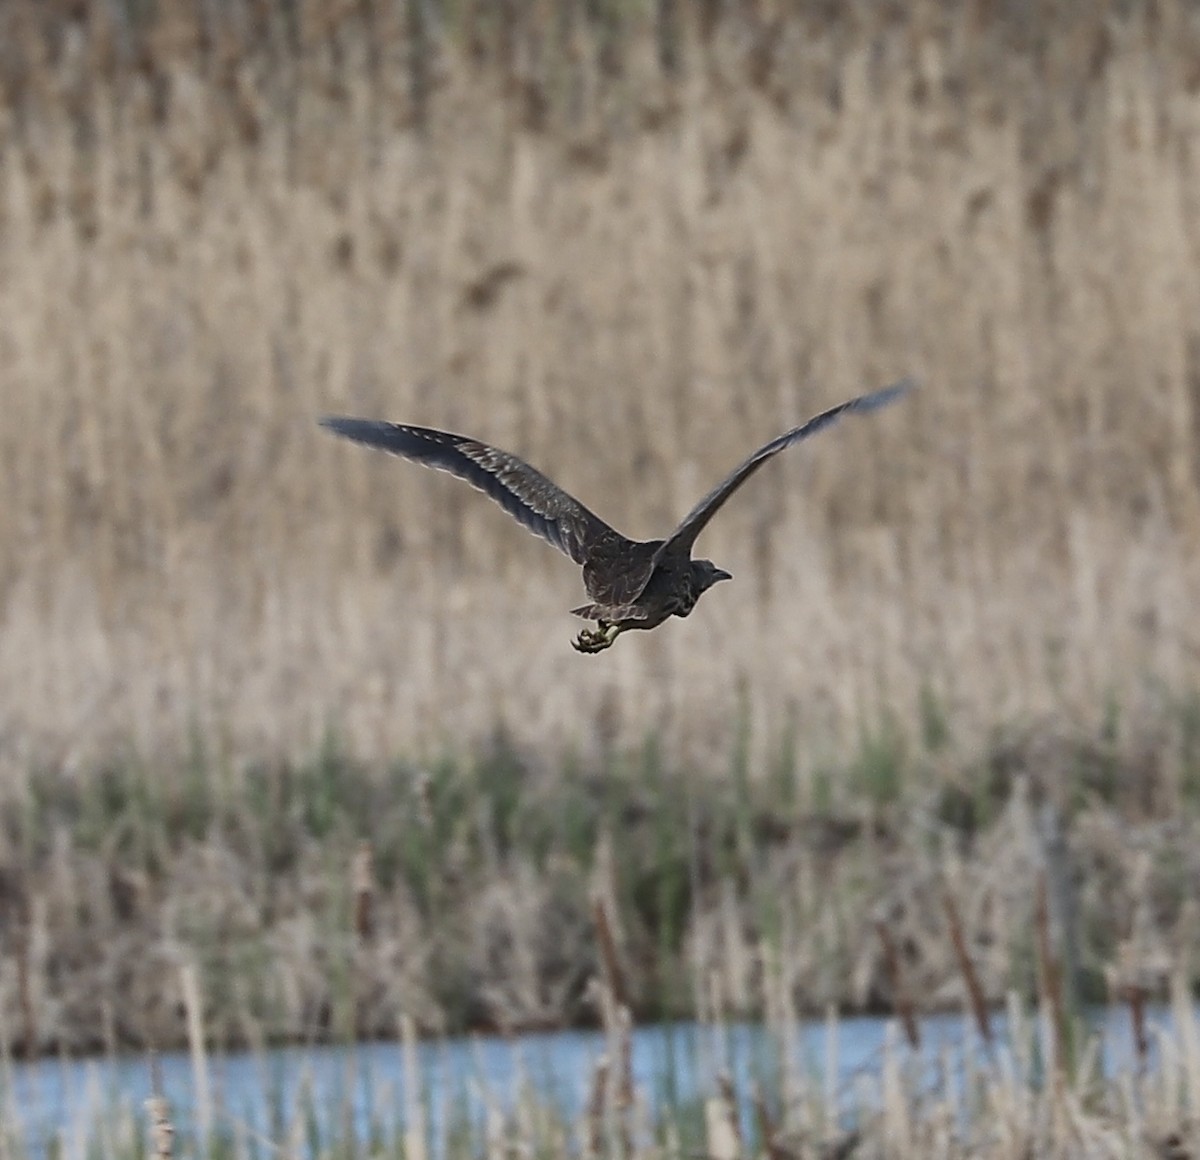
{"x":719,"y":574}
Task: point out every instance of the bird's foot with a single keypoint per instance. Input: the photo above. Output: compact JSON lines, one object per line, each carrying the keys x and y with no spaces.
{"x":596,"y":640}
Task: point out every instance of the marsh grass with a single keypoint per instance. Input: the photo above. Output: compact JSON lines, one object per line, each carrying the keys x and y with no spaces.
{"x":311,"y":903}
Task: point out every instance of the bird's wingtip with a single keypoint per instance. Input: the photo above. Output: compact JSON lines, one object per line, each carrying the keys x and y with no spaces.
{"x":901,"y":387}
{"x":888,"y":394}
{"x":344,"y":425}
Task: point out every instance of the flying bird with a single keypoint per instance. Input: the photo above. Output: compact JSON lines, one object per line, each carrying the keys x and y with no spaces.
{"x":632,"y":584}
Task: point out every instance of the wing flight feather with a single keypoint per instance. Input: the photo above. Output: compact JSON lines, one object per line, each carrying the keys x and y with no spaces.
{"x":521,"y":490}
{"x":684,"y":536}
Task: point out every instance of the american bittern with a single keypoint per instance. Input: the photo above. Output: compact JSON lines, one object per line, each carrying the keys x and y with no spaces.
{"x":632,"y":584}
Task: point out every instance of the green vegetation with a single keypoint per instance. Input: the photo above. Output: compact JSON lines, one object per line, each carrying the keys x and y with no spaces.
{"x":320,"y":900}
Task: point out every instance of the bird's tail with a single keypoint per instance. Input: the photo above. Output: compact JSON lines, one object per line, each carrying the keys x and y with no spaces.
{"x":588,"y":611}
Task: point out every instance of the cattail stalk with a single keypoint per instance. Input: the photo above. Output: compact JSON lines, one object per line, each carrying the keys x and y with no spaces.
{"x":900,"y":996}
{"x":966,"y":966}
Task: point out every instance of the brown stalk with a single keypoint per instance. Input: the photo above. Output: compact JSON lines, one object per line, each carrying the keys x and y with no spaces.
{"x":625,"y":1091}
{"x":423,"y":786}
{"x":16,"y":914}
{"x":768,"y":1130}
{"x":975,"y":994}
{"x":362,"y":874}
{"x":900,"y":996}
{"x":842,"y":1149}
{"x":1134,"y":996}
{"x":613,"y":976}
{"x":27,"y":1046}
{"x":1050,"y":977}
{"x":597,"y":1100}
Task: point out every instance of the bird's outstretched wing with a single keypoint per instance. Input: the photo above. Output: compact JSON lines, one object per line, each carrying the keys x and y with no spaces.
{"x":684,"y":536}
{"x":522,"y":491}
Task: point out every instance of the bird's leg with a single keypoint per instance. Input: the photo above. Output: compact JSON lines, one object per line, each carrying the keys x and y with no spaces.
{"x":598,"y":639}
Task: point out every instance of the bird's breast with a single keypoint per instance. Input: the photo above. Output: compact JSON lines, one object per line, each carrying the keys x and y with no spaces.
{"x":685,"y":603}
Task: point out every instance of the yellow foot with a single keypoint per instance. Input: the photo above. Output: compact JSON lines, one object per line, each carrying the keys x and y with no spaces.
{"x":597,"y":640}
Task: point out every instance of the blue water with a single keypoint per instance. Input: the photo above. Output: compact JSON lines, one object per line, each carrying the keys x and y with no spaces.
{"x":63,"y":1103}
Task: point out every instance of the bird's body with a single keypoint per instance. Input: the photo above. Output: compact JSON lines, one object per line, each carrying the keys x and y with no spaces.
{"x":631,"y":584}
{"x":673,"y":588}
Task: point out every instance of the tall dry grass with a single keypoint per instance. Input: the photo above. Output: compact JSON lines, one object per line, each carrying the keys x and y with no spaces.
{"x":212,"y":233}
{"x":324,"y":902}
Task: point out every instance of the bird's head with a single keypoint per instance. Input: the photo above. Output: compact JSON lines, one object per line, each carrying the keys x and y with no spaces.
{"x":706,"y":574}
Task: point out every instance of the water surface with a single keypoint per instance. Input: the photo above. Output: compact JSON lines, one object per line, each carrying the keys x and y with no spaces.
{"x":67,"y":1105}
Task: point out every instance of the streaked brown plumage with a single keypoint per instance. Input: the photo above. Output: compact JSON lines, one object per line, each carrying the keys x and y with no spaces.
{"x":632,"y":584}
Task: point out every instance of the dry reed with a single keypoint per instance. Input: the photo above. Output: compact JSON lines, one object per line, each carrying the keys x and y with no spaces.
{"x":193,"y":1003}
{"x":975,"y":997}
{"x":1001,"y":1110}
{"x":158,"y":1112}
{"x":901,"y":1000}
{"x":496,"y":911}
{"x":213,"y":234}
{"x":614,"y":977}
{"x":1054,"y":1010}
{"x":362,"y":884}
{"x":720,"y":1122}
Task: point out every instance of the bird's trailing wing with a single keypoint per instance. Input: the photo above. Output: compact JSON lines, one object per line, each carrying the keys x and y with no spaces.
{"x":524,"y":492}
{"x":684,"y":536}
